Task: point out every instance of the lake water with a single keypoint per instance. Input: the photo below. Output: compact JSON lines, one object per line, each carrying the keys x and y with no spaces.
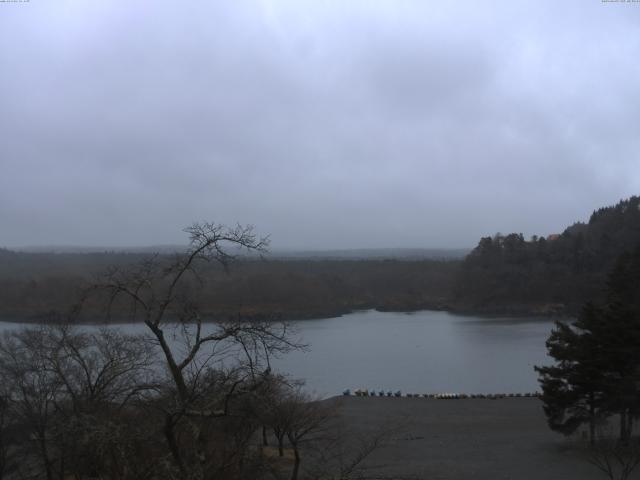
{"x":420,"y":352}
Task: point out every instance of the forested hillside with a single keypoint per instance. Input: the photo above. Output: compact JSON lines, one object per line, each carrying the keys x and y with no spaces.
{"x":556,"y":274}
{"x":503,"y":274}
{"x":33,"y":286}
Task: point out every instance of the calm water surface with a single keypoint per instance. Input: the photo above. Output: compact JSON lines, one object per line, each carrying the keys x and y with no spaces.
{"x":421,"y":352}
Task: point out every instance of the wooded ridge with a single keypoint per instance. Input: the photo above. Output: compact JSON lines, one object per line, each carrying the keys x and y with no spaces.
{"x":503,"y":274}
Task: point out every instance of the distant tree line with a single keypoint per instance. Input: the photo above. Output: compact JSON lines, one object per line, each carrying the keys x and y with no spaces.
{"x":34,"y":286}
{"x":550,"y":275}
{"x":503,"y":274}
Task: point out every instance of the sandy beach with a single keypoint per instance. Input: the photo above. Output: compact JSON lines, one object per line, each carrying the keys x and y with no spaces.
{"x":468,"y":439}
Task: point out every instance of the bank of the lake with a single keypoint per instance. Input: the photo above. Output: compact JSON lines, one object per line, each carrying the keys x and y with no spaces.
{"x":467,"y":439}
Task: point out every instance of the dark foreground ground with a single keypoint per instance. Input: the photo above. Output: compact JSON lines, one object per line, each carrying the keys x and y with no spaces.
{"x":468,"y":439}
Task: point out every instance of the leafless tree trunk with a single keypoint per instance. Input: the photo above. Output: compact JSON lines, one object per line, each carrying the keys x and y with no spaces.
{"x":164,"y":296}
{"x":64,"y":385}
{"x":4,"y":423}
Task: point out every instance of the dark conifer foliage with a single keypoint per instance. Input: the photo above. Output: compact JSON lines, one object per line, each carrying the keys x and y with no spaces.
{"x":574,"y":387}
{"x":557,"y":273}
{"x":597,"y":358}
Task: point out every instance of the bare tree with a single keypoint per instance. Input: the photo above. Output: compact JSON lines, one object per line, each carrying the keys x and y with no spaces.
{"x":187,"y":400}
{"x":296,"y":417}
{"x":273,"y":410}
{"x":616,"y":459}
{"x":211,"y":364}
{"x":34,"y":390}
{"x":347,"y":454}
{"x":65,"y":385}
{"x":308,"y":422}
{"x":5,"y":426}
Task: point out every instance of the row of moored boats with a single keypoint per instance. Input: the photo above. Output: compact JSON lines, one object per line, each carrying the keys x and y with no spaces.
{"x":442,"y":396}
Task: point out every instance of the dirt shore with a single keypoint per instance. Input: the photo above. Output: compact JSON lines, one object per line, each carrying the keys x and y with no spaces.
{"x":468,"y":439}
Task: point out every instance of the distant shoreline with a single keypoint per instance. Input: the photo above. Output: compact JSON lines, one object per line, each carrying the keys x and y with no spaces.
{"x":56,"y":318}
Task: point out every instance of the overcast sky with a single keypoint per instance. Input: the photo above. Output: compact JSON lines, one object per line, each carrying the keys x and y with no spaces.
{"x":339,"y":124}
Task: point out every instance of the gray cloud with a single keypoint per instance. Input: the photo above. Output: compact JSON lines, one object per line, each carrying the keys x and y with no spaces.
{"x":327,"y":125}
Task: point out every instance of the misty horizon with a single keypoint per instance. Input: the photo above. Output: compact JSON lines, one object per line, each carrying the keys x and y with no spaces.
{"x":407,"y":253}
{"x":274,"y":248}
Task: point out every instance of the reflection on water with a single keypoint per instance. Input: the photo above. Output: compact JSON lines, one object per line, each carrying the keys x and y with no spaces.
{"x":421,"y":352}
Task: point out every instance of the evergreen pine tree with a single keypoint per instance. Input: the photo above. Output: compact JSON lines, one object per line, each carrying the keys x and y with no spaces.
{"x":596,"y":372}
{"x":573,"y":390}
